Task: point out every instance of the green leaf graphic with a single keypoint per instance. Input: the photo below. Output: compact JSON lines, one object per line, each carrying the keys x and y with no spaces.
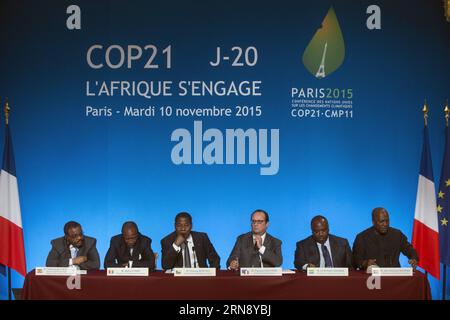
{"x":326,"y":51}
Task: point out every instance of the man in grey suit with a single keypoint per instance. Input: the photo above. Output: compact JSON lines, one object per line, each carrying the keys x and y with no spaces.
{"x":256,"y":248}
{"x":74,"y":249}
{"x":322,"y":249}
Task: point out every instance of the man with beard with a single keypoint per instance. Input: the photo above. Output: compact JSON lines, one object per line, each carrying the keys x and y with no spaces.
{"x":74,"y":249}
{"x":380,"y":245}
{"x":130,"y":249}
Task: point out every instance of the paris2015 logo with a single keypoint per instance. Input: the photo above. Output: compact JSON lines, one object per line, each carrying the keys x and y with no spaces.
{"x":325,"y":52}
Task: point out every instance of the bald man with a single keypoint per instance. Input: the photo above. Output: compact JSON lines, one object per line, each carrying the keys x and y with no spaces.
{"x":322,"y":249}
{"x":130,"y":249}
{"x":381,"y":245}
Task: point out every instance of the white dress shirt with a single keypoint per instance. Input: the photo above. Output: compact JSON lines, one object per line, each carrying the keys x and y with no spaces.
{"x":322,"y":260}
{"x":130,"y":262}
{"x":192,"y":255}
{"x":73,"y":254}
{"x":262,"y":249}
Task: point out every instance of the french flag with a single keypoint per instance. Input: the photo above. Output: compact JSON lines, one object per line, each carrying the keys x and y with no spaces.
{"x":12,"y":252}
{"x":425,"y":238}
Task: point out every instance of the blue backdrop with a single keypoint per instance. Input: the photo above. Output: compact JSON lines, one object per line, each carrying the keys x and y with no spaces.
{"x":102,"y":171}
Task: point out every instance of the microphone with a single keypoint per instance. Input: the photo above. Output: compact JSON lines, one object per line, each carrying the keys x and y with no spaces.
{"x":195,"y":257}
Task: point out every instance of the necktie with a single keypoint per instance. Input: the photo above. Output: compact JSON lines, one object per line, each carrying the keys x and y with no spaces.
{"x":73,"y":252}
{"x":326,"y":256}
{"x":259,"y":264}
{"x":187,"y":257}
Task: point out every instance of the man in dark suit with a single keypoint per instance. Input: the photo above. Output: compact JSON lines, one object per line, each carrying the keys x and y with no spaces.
{"x":256,"y":248}
{"x":322,"y":249}
{"x":185,"y":248}
{"x":381,"y":245}
{"x":130,"y":249}
{"x":74,"y":249}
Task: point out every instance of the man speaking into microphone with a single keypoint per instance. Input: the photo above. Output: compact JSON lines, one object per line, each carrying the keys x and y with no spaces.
{"x":185,"y":248}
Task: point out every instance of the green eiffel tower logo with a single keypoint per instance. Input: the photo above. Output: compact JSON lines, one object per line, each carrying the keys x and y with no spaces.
{"x":325,"y":52}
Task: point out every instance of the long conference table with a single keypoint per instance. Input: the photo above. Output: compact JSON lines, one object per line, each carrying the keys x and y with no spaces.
{"x":226,"y":285}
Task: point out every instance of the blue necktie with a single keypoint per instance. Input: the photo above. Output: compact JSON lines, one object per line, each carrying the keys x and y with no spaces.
{"x":73,"y":252}
{"x":326,"y":256}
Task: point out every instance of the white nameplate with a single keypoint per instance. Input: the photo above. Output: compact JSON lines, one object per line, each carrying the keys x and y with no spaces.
{"x":194,"y":272}
{"x":261,"y":272}
{"x":392,"y":272}
{"x":58,"y":271}
{"x":327,"y":272}
{"x":288,"y":271}
{"x":127,"y":272}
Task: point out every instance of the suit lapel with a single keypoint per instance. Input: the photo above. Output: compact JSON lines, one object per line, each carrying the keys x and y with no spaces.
{"x":135,"y":254}
{"x":334,"y":250}
{"x":254,"y":256}
{"x":250,"y":243}
{"x":122,"y":251}
{"x":267,"y":241}
{"x":179,"y":260}
{"x":83,"y":249}
{"x":136,"y":249}
{"x":67,"y":253}
{"x":314,"y":252}
{"x":198,"y":251}
{"x":66,"y":250}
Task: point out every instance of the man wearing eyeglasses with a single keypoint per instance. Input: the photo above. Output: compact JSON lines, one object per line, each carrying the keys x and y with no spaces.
{"x":256,"y":248}
{"x":74,"y":249}
{"x":130,"y":249}
{"x":185,"y":248}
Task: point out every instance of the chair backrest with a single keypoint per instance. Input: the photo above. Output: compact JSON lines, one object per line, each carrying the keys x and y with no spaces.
{"x":156,"y":259}
{"x":17,"y":293}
